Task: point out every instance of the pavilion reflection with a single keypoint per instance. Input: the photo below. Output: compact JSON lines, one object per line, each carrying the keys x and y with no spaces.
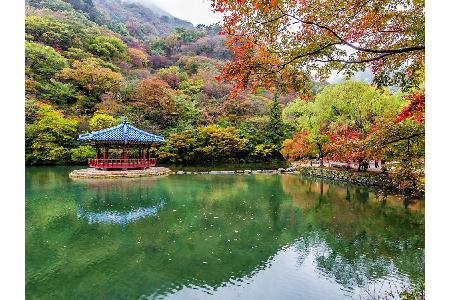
{"x":121,"y":218}
{"x":119,"y":201}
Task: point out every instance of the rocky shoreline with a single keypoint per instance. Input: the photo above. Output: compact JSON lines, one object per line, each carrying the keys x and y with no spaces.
{"x":363,"y":178}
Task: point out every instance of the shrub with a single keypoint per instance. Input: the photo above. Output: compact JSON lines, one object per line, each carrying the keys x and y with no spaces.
{"x":82,"y":154}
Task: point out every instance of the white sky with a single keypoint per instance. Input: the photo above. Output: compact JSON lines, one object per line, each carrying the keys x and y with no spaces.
{"x":194,"y":11}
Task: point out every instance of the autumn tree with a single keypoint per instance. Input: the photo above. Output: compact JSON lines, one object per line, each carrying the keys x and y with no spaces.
{"x":92,"y":78}
{"x":308,"y":39}
{"x":137,"y":57}
{"x":400,"y":139}
{"x":172,"y":75}
{"x":159,"y":103}
{"x":298,"y":147}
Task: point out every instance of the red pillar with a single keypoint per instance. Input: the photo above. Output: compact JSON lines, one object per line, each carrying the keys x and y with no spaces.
{"x":105,"y":155}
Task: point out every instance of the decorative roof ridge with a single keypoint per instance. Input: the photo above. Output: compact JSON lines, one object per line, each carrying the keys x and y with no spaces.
{"x":146,"y":133}
{"x":126,"y":130}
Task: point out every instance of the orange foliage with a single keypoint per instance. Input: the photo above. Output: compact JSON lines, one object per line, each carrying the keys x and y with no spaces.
{"x":298,"y":147}
{"x":281,"y":40}
{"x":138,"y":57}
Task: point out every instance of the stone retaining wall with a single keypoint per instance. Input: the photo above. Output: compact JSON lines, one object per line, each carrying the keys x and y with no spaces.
{"x":365,"y":178}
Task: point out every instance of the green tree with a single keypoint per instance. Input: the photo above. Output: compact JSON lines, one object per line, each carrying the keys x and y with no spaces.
{"x":187,"y":35}
{"x":276,"y":131}
{"x":49,"y":31}
{"x":55,"y":5}
{"x":107,"y":47}
{"x":57,"y":92}
{"x":356,"y":104}
{"x":101,"y":121}
{"x":49,"y":137}
{"x":82,"y":153}
{"x":208,"y":143}
{"x":191,"y":87}
{"x":42,"y":62}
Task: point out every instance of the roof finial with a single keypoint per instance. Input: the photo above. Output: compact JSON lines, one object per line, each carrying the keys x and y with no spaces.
{"x":125,"y":120}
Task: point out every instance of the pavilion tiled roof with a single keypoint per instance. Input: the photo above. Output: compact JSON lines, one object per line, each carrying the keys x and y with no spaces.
{"x":123,"y":132}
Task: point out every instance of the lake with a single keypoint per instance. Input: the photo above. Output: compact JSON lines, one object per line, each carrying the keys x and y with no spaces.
{"x":217,"y":237}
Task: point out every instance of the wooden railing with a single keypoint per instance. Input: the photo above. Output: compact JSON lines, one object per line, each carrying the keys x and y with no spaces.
{"x":121,"y":163}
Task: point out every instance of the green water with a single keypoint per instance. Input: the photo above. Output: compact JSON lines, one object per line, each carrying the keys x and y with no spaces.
{"x":216,"y":237}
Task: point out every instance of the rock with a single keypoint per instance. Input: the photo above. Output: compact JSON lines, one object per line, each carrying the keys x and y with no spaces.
{"x":256,"y":171}
{"x":281,"y":170}
{"x":180,"y":172}
{"x":221,"y":172}
{"x":188,"y":173}
{"x":247,"y":171}
{"x":239,"y":171}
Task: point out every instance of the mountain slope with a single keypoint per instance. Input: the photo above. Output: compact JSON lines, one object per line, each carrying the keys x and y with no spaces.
{"x":139,"y":20}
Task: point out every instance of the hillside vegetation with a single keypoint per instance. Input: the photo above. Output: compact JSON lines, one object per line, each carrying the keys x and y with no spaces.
{"x":92,"y":62}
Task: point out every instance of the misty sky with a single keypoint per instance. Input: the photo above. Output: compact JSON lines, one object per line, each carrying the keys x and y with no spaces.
{"x":194,"y":11}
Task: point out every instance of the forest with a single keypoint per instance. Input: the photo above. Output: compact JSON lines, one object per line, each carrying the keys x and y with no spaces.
{"x":210,"y":91}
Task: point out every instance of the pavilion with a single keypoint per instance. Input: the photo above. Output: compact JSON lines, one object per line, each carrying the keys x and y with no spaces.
{"x":123,"y":136}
